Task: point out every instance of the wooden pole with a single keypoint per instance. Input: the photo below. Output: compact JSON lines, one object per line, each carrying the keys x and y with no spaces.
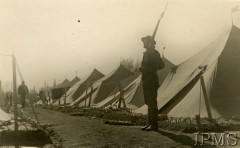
{"x":199,"y":124}
{"x":120,"y":97}
{"x":85,"y":103}
{"x":49,"y":99}
{"x":123,"y":100}
{"x":90,"y":97}
{"x":207,"y":103}
{"x":65,"y":96}
{"x":15,"y":93}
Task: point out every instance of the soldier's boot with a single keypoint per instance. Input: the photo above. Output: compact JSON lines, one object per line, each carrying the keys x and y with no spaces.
{"x":154,"y":120}
{"x":149,"y":120}
{"x":145,"y":127}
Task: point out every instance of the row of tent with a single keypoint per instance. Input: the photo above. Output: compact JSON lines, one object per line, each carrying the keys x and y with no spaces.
{"x":98,"y":90}
{"x":181,"y":93}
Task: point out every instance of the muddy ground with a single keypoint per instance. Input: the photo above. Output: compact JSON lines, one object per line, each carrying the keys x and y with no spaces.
{"x":90,"y":132}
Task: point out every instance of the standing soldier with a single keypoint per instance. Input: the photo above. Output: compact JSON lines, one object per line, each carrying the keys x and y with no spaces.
{"x":23,"y":92}
{"x":151,"y":62}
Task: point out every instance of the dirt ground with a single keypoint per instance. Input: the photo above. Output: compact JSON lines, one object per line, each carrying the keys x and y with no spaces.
{"x":89,"y":132}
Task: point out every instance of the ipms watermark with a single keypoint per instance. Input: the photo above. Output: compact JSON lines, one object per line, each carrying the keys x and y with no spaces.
{"x":216,"y":139}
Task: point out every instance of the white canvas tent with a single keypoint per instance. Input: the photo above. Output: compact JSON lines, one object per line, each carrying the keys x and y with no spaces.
{"x":79,"y":88}
{"x":1,"y":95}
{"x":3,"y":116}
{"x":132,"y":86}
{"x":180,"y":94}
{"x":103,"y":87}
{"x":59,"y":91}
{"x":39,"y":102}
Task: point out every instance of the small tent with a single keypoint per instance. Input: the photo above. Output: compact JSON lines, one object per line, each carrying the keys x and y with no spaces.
{"x":78,"y":88}
{"x":1,"y":95}
{"x":4,"y":116}
{"x":62,"y":88}
{"x":39,"y":102}
{"x":103,"y":87}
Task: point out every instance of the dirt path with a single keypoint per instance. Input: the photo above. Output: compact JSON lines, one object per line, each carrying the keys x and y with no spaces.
{"x":87,"y":132}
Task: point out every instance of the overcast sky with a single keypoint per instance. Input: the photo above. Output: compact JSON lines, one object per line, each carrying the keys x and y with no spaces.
{"x":49,"y":42}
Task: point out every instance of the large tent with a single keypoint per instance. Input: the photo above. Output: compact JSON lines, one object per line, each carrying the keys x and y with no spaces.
{"x":132,"y":86}
{"x":226,"y":94}
{"x":103,"y":87}
{"x":78,"y":88}
{"x":181,"y":94}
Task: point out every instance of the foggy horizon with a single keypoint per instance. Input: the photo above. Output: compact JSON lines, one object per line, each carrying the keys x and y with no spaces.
{"x":51,"y":44}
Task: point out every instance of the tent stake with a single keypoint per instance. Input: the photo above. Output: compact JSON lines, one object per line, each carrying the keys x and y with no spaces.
{"x":65,"y":96}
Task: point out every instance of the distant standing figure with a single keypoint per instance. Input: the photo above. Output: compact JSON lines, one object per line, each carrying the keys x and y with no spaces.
{"x":151,"y":62}
{"x":42,"y":96}
{"x":23,"y":92}
{"x":9,"y":96}
{"x":8,"y":102}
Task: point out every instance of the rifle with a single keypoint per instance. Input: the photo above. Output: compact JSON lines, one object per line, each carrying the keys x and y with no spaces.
{"x":160,"y":18}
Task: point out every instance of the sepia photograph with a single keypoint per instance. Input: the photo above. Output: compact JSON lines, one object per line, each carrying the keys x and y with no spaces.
{"x":120,"y":73}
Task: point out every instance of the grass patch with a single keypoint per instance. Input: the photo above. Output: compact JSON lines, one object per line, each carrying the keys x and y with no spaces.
{"x":127,"y":117}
